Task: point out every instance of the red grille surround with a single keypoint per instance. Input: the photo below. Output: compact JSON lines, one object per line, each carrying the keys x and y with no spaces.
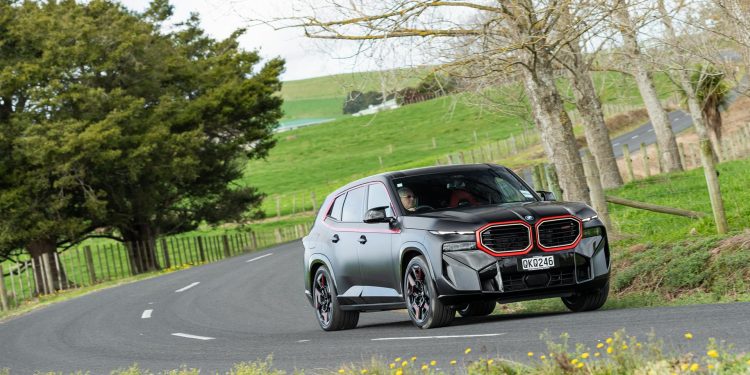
{"x":488,"y":250}
{"x":533,"y":240}
{"x":571,"y":244}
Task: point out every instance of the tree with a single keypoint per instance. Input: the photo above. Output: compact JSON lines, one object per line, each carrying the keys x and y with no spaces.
{"x":628,"y":28}
{"x":142,"y":131}
{"x":517,"y":34}
{"x":711,"y":92}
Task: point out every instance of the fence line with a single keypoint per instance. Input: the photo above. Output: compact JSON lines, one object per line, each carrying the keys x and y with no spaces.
{"x":87,"y":265}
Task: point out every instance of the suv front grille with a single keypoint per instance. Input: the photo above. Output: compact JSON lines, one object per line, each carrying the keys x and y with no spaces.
{"x":502,"y":238}
{"x":555,"y":233}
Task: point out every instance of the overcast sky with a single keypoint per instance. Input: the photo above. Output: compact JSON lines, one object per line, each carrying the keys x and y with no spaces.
{"x":304,"y":57}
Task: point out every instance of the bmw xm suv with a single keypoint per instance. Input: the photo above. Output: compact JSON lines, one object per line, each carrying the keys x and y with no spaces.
{"x":449,"y":239}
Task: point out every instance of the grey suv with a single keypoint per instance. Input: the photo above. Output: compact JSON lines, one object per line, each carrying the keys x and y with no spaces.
{"x":449,"y":239}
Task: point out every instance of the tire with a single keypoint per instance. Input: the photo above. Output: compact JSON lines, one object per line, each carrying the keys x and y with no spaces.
{"x":589,"y":300}
{"x":420,"y":296}
{"x":327,"y":308}
{"x":477,"y":308}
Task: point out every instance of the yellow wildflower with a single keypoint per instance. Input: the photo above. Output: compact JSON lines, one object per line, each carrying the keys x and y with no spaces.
{"x":404,"y":363}
{"x":624,"y":346}
{"x":638,"y":345}
{"x":574,"y":361}
{"x":609,"y":340}
{"x":467,"y":351}
{"x":710,"y":367}
{"x":580,"y":365}
{"x":425,"y":367}
{"x":413,"y":358}
{"x":712,"y":353}
{"x":585,"y":355}
{"x":542,"y":357}
{"x":600,"y":345}
{"x":596,"y":354}
{"x":392,"y":365}
{"x":399,"y":372}
{"x":748,"y":362}
{"x":364,"y":371}
{"x":491,"y":361}
{"x":341,"y":371}
{"x":530,"y":354}
{"x":609,"y":350}
{"x":453,"y":362}
{"x":433,"y":363}
{"x":688,"y":336}
{"x":397,"y":360}
{"x":695,"y":367}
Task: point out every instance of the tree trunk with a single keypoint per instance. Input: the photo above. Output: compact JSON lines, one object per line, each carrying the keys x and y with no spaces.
{"x":556,"y":128}
{"x":597,"y":134}
{"x":140,"y":240}
{"x":712,"y":115}
{"x":662,"y":128}
{"x":54,"y":278}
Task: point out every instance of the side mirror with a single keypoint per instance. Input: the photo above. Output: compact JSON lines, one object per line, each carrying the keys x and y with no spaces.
{"x":547,"y":195}
{"x":377,"y":215}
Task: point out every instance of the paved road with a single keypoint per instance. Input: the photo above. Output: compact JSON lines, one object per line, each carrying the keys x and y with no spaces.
{"x":680,"y":121}
{"x":248,"y":310}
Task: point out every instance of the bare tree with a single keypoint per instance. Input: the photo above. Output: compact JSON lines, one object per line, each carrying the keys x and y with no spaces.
{"x":578,"y":67}
{"x":681,"y":63}
{"x":518,"y":35}
{"x":628,"y":28}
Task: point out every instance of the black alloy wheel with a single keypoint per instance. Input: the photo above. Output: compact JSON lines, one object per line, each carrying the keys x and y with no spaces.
{"x":327,"y":309}
{"x":420,"y":295}
{"x":588,"y":300}
{"x":477,"y":308}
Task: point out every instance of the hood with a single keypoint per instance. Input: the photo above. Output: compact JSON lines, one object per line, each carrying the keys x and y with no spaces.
{"x":472,"y":218}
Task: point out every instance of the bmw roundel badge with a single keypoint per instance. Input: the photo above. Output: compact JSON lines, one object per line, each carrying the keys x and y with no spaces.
{"x":529,"y":218}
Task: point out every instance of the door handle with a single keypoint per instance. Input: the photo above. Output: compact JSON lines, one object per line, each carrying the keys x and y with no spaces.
{"x":335,"y":238}
{"x":362,"y":239}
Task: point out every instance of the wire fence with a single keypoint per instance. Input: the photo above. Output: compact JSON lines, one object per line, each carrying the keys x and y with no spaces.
{"x":94,"y":263}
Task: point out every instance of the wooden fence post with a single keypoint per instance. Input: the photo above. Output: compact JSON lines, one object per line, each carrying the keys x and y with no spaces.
{"x":201,"y":251}
{"x":461,"y":157}
{"x":3,"y":295}
{"x":658,"y":158}
{"x":683,"y":159}
{"x":277,"y":233}
{"x":89,"y":264}
{"x":48,"y":279}
{"x":254,"y":240}
{"x":165,"y":252}
{"x":646,"y":167}
{"x":513,"y":148}
{"x":628,"y":162}
{"x":536,"y":178}
{"x":596,"y":192}
{"x":226,"y":246}
{"x":314,"y":202}
{"x":552,"y":181}
{"x":278,"y":206}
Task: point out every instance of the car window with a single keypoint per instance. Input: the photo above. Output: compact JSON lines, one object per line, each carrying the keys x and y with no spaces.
{"x":336,"y":207}
{"x":353,"y":205}
{"x":377,"y":196}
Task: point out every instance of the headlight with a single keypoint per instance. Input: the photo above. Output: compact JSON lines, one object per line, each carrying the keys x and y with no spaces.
{"x":592,"y":232}
{"x":459,"y":246}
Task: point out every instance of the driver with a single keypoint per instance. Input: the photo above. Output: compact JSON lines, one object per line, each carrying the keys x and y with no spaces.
{"x":408,"y":199}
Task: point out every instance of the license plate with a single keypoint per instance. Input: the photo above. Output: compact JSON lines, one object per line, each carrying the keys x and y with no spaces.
{"x":538,"y":263}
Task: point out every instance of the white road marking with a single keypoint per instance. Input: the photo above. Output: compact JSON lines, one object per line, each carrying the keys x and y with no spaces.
{"x":146,"y":314}
{"x":437,"y":337}
{"x":615,"y":144}
{"x":187,"y":287}
{"x":650,"y":130}
{"x":150,"y":303}
{"x":303,"y":341}
{"x":260,"y":257}
{"x":634,"y":137}
{"x":187,"y":336}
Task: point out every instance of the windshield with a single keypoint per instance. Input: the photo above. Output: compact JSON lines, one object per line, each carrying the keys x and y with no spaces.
{"x":477,"y":188}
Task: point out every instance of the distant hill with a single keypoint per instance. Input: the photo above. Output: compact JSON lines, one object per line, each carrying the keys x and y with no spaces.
{"x":323,"y":97}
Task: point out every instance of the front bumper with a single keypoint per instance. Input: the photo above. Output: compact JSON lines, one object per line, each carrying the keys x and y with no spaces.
{"x":467,"y":276}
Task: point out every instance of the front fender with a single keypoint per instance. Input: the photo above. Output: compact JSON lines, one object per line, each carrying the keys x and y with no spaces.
{"x":313,"y":261}
{"x":418,"y":247}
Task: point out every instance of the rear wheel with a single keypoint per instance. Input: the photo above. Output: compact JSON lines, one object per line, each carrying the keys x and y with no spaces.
{"x":327,"y":309}
{"x":477,"y":308}
{"x":420,"y":294}
{"x":588,"y":300}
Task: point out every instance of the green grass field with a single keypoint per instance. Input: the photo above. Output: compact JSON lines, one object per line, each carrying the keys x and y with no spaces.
{"x":322,"y":157}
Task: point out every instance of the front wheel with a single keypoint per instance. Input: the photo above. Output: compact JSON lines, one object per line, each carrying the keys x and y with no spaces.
{"x":420,"y":295}
{"x":477,"y":308}
{"x":327,"y":309}
{"x":589,"y":300}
